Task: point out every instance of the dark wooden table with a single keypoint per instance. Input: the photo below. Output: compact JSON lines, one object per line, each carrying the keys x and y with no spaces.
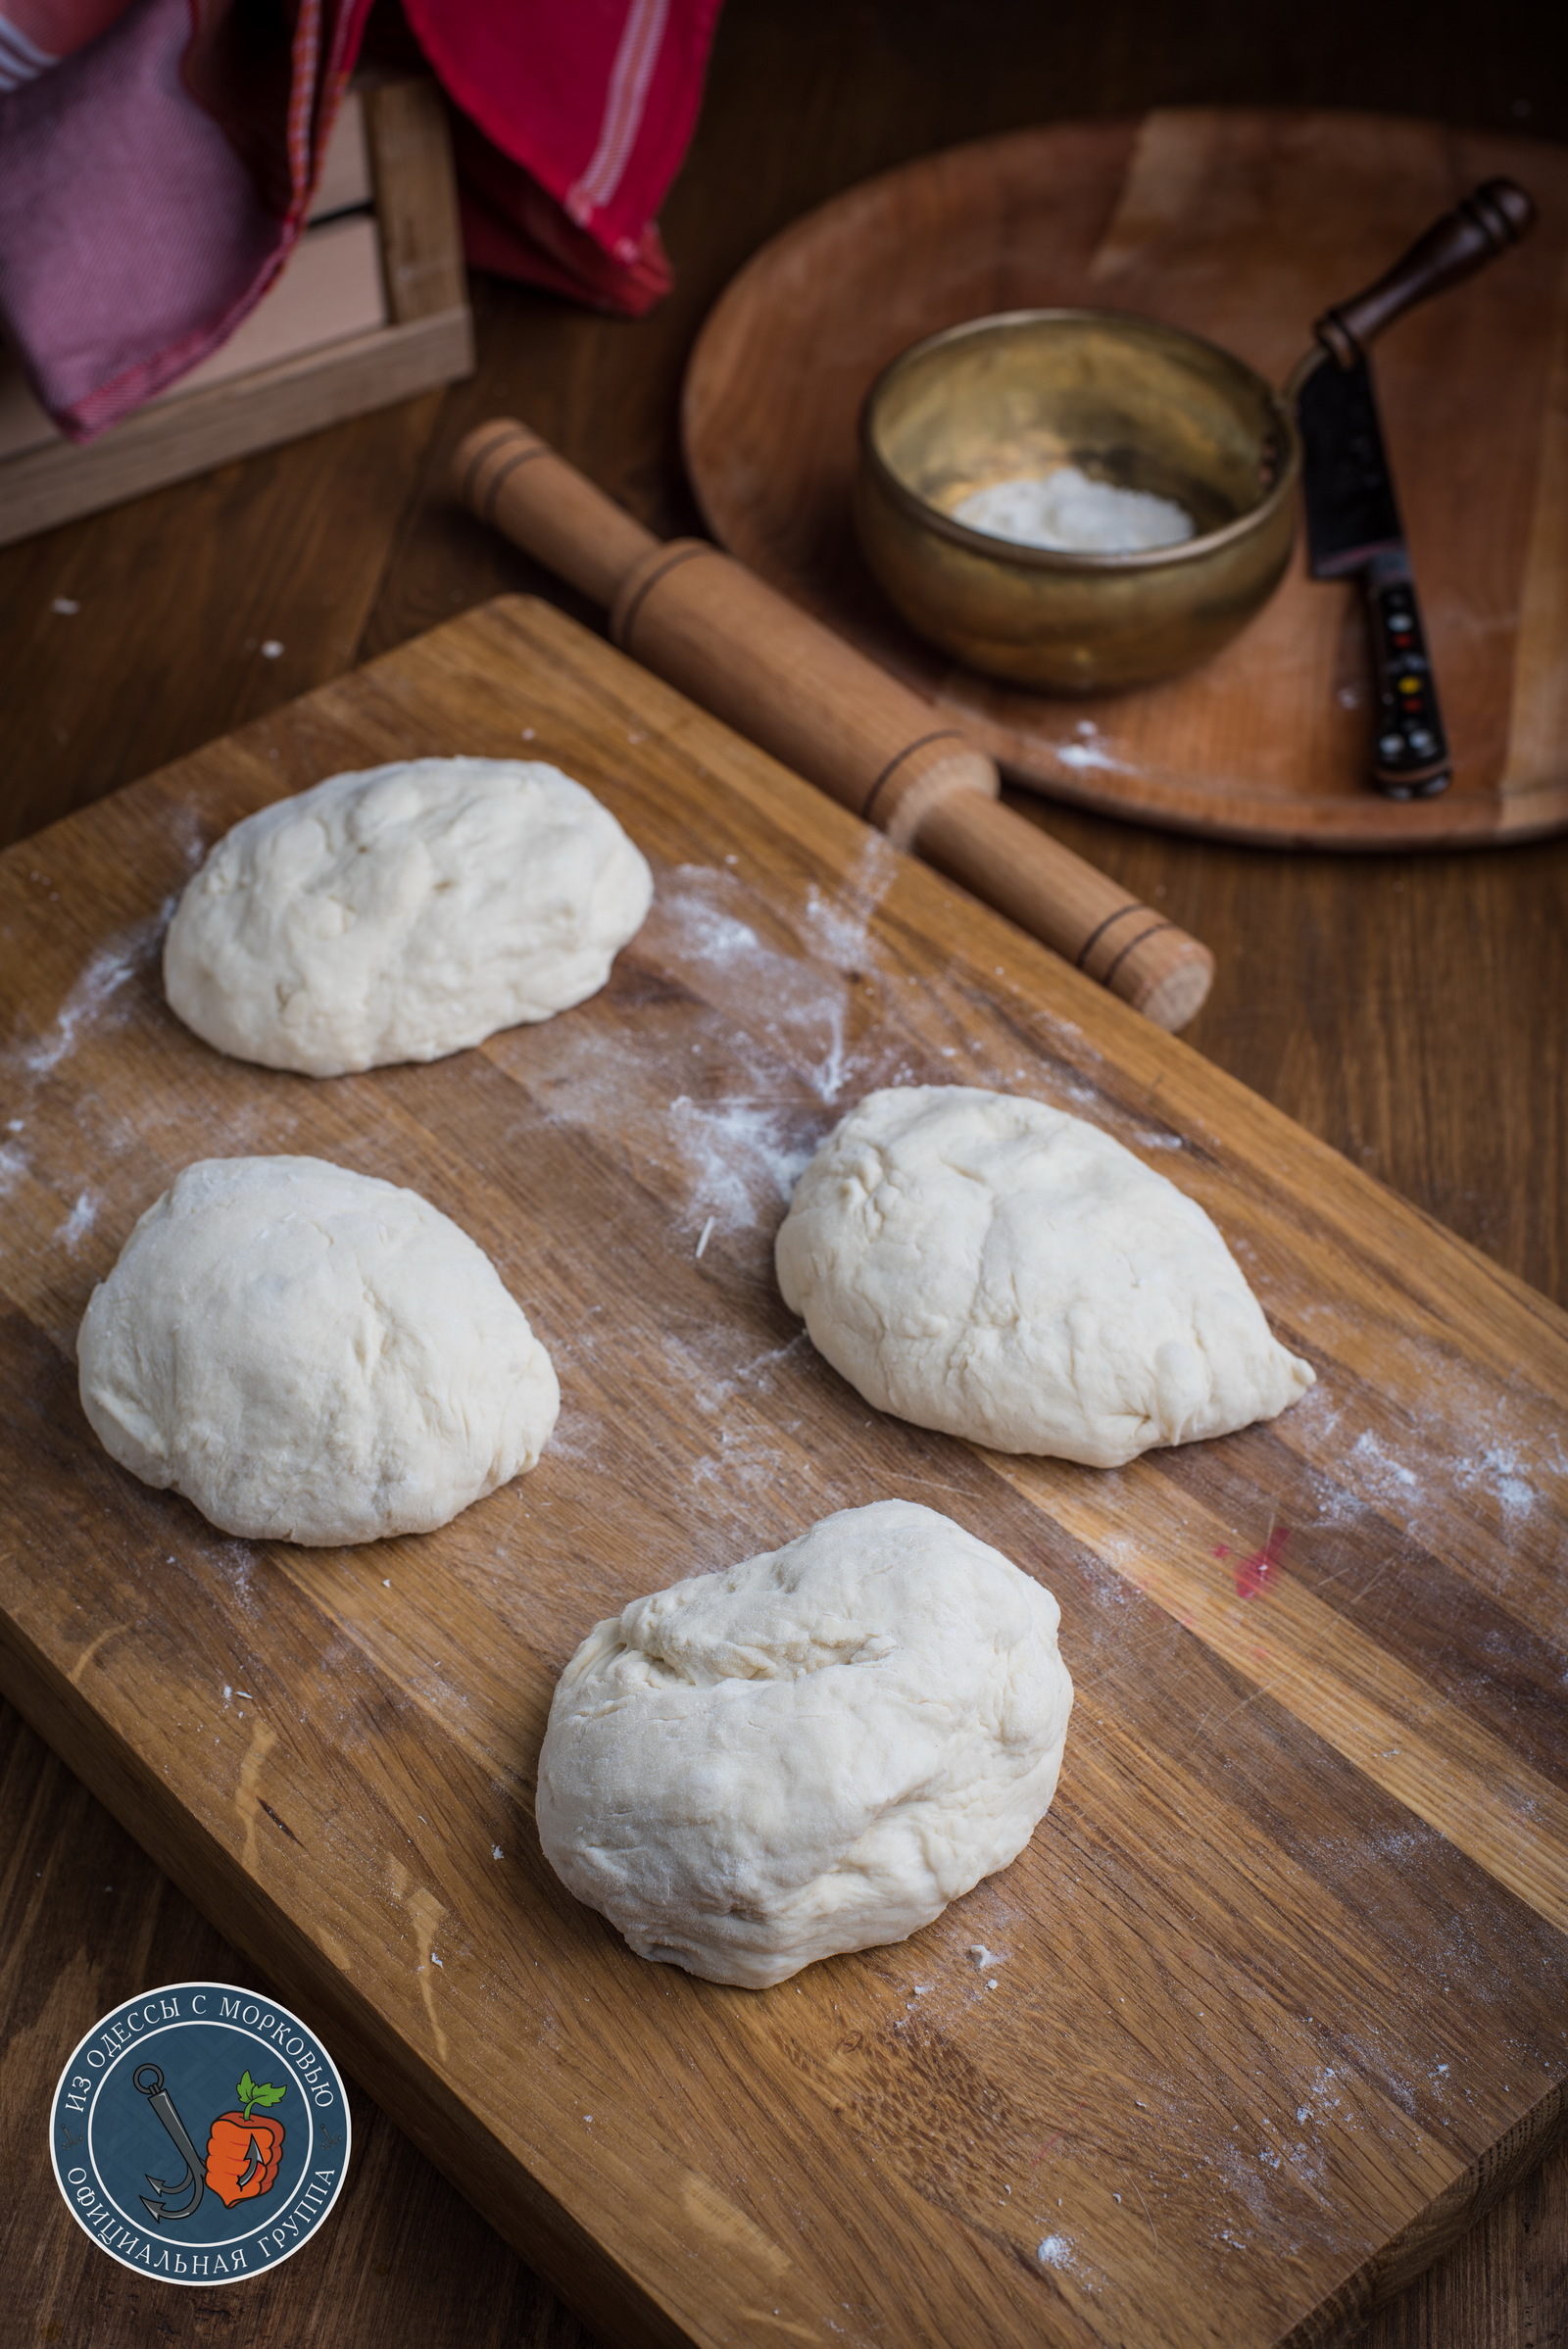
{"x":1408,"y":1009}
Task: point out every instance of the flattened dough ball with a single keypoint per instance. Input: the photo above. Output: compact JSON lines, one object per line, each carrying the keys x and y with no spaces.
{"x":403,"y":913}
{"x":311,"y":1356}
{"x":980,"y":1263}
{"x":815,"y":1751}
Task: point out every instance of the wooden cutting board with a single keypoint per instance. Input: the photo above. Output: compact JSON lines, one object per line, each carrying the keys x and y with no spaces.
{"x":1242,"y":226}
{"x":1280,"y":1984}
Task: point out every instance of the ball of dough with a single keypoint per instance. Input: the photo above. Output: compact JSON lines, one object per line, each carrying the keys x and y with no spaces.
{"x":980,"y":1263}
{"x":403,"y":913}
{"x":815,"y":1751}
{"x":311,"y":1356}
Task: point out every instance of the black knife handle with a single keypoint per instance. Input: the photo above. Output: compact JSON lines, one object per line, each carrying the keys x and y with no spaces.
{"x":1490,"y":218}
{"x":1411,"y":750}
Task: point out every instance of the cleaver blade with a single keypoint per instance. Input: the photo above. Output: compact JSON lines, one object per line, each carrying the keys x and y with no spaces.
{"x":1353,"y":530}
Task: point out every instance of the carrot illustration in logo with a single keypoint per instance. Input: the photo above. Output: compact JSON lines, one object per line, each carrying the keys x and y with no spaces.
{"x":242,"y":2152}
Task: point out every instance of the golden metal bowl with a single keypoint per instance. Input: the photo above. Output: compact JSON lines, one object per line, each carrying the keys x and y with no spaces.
{"x":1140,"y":405}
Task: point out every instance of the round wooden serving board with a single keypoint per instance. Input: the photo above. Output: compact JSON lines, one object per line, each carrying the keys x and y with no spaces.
{"x":1242,"y":226}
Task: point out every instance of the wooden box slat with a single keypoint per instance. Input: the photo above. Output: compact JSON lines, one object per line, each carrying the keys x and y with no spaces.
{"x":343,"y":330}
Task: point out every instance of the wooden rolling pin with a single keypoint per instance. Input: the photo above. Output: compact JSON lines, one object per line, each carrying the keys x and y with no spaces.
{"x":707,"y":624}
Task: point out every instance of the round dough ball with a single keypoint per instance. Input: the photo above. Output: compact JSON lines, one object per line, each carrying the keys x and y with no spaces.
{"x":403,"y":913}
{"x":980,"y":1263}
{"x":815,"y":1751}
{"x":311,"y":1356}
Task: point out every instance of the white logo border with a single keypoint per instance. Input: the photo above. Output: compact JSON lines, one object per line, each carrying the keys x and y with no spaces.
{"x":139,"y":2267}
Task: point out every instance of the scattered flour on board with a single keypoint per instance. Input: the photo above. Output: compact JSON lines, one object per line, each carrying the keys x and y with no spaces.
{"x":1088,"y":752}
{"x":1055,"y":2251}
{"x":786,"y":1045}
{"x":79,"y":1223}
{"x":1501,"y":1470}
{"x":109,"y":970}
{"x":714,"y":1392}
{"x":806,"y":1006}
{"x":742,"y":1151}
{"x":576,"y":1436}
{"x":1377,"y":1471}
{"x":735,"y":1159}
{"x":1085,"y":755}
{"x":841,"y":925}
{"x":1472,"y":1443}
{"x":797,"y":1005}
{"x":738,"y":1157}
{"x":751,"y":1450}
{"x":13,"y":1166}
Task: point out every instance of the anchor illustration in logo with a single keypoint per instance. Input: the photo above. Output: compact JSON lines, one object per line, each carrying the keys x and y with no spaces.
{"x":242,"y":2157}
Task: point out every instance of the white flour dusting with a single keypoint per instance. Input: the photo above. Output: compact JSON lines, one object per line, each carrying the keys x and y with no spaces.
{"x":1501,"y":1470}
{"x":576,"y":1436}
{"x":775,"y":1056}
{"x":1085,"y":755}
{"x":1377,"y":1471}
{"x":1471,"y":1443}
{"x":103,"y":978}
{"x":839,"y":925}
{"x":714,"y":1393}
{"x":771,"y":992}
{"x":1055,"y":2251}
{"x":109,"y":970}
{"x":79,"y":1223}
{"x":738,"y":1157}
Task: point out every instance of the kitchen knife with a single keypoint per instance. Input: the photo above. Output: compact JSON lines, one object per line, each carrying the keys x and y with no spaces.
{"x":1352,"y":515}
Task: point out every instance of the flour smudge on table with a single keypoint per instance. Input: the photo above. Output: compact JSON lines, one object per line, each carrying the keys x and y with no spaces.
{"x":106,"y":973}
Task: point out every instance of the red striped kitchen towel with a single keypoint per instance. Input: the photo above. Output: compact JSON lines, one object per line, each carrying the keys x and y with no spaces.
{"x":574,"y":115}
{"x":157,"y":158}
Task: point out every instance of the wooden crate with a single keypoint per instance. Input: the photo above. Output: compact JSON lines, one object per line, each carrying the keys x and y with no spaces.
{"x":371,"y":309}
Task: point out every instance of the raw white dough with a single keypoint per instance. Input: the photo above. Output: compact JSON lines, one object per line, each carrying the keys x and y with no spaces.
{"x":403,"y":913}
{"x":815,"y":1751}
{"x":311,"y":1356}
{"x":978,"y":1263}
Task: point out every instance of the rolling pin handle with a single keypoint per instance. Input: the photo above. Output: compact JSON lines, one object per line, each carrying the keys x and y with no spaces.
{"x":1492,"y":217}
{"x":1133,"y":951}
{"x":515,"y":480}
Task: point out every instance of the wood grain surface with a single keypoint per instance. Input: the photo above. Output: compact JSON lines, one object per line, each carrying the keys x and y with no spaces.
{"x":1276,"y":1998}
{"x":1405,"y":1009}
{"x":1242,"y":226}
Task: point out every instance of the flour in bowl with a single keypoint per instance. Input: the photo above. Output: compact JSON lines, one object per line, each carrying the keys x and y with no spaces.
{"x":1068,"y":511}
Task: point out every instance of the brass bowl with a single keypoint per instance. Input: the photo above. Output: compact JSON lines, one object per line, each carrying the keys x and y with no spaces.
{"x":1130,"y":402}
